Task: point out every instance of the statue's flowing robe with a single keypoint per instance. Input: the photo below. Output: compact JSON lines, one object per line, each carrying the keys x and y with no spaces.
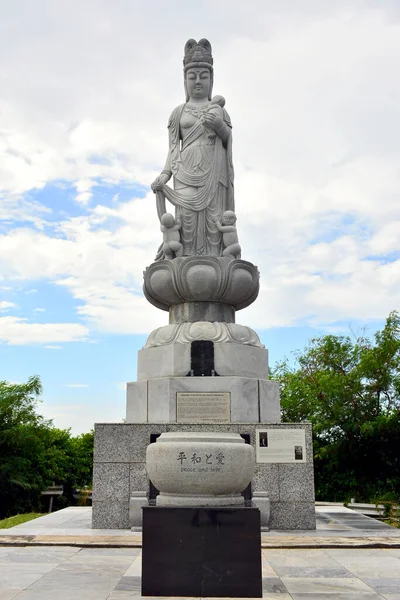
{"x":203,"y":184}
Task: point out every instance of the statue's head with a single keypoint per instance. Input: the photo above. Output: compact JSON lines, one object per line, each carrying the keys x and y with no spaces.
{"x":198,"y":69}
{"x":228,"y":218}
{"x":167,"y":220}
{"x":220,"y":100}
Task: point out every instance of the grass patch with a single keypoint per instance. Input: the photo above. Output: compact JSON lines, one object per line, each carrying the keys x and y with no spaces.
{"x":18,"y":519}
{"x":392,"y":522}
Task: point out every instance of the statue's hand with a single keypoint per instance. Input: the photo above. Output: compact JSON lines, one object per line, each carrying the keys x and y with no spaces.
{"x":160,"y":181}
{"x":213,"y":121}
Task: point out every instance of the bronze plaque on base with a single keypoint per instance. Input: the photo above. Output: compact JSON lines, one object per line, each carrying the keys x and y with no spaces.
{"x":203,"y":407}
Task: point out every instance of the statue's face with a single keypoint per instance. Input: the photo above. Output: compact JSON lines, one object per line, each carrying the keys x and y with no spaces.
{"x":228,"y":218}
{"x":198,"y":82}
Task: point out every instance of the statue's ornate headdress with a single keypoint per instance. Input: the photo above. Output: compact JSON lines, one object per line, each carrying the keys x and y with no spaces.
{"x":198,"y":54}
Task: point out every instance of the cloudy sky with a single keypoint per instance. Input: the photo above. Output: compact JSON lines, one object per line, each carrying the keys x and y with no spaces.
{"x":86,"y":89}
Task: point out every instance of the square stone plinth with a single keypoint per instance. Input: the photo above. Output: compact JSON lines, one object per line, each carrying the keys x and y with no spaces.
{"x":230,"y":359}
{"x":155,"y":400}
{"x":120,"y":472}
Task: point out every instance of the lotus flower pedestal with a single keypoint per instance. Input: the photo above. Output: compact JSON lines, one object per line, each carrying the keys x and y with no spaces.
{"x":202,"y":295}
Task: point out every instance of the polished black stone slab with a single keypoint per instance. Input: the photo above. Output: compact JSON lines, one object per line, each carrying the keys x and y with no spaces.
{"x":214,"y":552}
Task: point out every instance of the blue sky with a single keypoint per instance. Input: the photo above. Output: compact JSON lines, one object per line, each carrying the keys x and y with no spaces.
{"x":314,"y":99}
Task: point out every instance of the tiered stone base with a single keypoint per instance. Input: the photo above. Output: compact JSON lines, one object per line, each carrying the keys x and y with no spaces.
{"x":154,"y":400}
{"x":120,"y":472}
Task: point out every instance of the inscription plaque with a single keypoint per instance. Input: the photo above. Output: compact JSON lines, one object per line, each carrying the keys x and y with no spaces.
{"x":203,"y":407}
{"x":280,"y":446}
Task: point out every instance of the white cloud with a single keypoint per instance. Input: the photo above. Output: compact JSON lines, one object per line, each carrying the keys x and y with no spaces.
{"x":5,"y":305}
{"x":52,"y":347}
{"x":39,"y":310}
{"x":81,"y":417}
{"x":76,"y":385}
{"x":18,"y":331}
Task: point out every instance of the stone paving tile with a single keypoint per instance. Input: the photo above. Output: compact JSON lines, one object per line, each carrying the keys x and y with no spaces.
{"x":275,"y":597}
{"x":62,"y":585}
{"x":312,"y":572}
{"x":337,"y":596}
{"x":39,"y":554}
{"x":384,"y":566}
{"x":294,"y":553}
{"x":129,"y":584}
{"x":266,"y":569}
{"x":336,"y":553}
{"x":128,"y":552}
{"x":62,"y":594}
{"x":21,"y":575}
{"x":325,"y":585}
{"x":8,"y":594}
{"x":6,"y":550}
{"x":384,"y":586}
{"x":104,"y":569}
{"x":273,"y":585}
{"x":118,"y":563}
{"x":304,"y":563}
{"x":135,"y":569}
{"x":121,"y":596}
{"x":391,"y":596}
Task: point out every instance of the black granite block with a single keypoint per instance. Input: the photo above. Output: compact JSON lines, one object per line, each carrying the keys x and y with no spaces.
{"x":201,"y":552}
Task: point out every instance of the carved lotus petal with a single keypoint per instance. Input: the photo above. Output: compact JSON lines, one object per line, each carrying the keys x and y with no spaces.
{"x":202,"y":330}
{"x":201,"y":279}
{"x":201,"y":282}
{"x":185,"y":333}
{"x":241,"y":334}
{"x":162,"y":335}
{"x":162,"y":280}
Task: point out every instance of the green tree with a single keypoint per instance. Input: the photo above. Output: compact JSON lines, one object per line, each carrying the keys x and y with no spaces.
{"x":350,"y":391}
{"x":34,"y":454}
{"x":19,"y":424}
{"x":82,"y":449}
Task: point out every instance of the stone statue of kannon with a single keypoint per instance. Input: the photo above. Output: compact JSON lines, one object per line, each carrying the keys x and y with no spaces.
{"x":199,"y":160}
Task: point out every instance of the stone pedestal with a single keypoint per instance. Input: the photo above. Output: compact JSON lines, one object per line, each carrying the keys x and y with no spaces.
{"x":203,"y":373}
{"x":201,"y":552}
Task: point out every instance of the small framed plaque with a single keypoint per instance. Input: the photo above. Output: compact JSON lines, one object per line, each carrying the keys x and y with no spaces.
{"x":281,"y":445}
{"x":203,"y":407}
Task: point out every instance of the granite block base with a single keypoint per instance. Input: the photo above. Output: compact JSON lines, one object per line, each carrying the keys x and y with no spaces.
{"x":292,"y":515}
{"x":111,"y":514}
{"x":120,"y":472}
{"x":213,"y":552}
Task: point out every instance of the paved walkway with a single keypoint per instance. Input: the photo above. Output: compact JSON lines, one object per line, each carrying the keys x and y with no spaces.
{"x":59,"y":556}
